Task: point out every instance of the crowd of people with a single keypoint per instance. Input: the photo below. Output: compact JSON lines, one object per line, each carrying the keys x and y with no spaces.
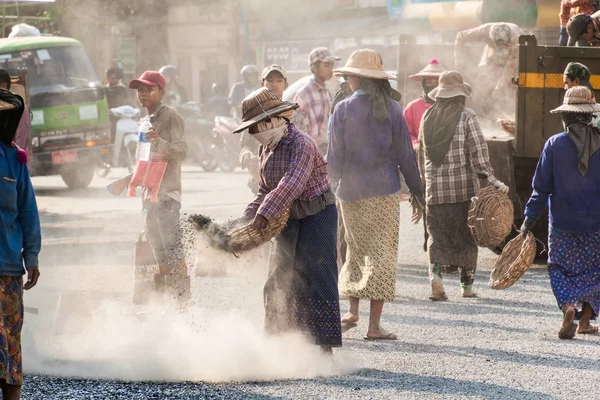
{"x":336,"y":164}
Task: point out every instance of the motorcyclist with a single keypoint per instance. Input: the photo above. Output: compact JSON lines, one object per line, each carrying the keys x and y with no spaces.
{"x":241,"y":89}
{"x":116,"y":93}
{"x":175,"y":94}
{"x":218,"y":104}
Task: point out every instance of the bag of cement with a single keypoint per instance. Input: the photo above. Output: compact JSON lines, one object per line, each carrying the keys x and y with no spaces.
{"x":24,"y":30}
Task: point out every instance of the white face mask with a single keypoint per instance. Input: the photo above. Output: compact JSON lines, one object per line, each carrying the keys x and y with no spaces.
{"x":270,"y":133}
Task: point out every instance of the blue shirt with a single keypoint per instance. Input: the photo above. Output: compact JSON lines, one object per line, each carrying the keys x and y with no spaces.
{"x":20,"y":237}
{"x":365,"y":156}
{"x":573,"y":199}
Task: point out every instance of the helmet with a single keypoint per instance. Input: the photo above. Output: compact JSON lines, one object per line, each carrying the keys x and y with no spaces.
{"x":168,"y":71}
{"x":249,"y":69}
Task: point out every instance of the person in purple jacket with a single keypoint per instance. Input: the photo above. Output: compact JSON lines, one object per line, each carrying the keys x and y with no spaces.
{"x":567,"y":179}
{"x":369,"y":146}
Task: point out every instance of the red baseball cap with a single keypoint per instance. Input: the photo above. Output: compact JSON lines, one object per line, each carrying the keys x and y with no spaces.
{"x":150,"y":78}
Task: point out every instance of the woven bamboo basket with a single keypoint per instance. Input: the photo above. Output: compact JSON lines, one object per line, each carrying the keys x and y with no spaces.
{"x":491,"y":217}
{"x":237,"y":237}
{"x":516,"y":258}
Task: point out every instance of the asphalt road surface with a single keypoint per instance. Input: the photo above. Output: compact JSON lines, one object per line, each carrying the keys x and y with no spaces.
{"x":87,"y":340}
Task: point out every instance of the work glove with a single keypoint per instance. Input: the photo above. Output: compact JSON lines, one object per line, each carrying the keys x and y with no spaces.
{"x":500,"y":186}
{"x":527,"y":226}
{"x":563,"y":37}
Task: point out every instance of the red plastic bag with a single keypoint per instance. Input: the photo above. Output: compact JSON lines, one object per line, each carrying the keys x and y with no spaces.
{"x":149,"y":175}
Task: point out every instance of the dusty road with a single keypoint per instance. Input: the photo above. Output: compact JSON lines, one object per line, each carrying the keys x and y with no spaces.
{"x":502,"y":345}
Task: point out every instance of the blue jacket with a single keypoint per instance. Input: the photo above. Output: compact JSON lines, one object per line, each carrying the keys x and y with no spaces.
{"x":20,"y":237}
{"x":573,"y":199}
{"x":365,"y":155}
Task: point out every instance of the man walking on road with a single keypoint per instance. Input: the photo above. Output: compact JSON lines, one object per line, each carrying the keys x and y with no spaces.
{"x":314,"y":99}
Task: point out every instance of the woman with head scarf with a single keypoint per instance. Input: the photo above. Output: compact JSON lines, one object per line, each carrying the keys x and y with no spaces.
{"x":301,"y":289}
{"x":21,"y":242}
{"x":567,"y":178}
{"x":453,"y":155}
{"x":369,"y":146}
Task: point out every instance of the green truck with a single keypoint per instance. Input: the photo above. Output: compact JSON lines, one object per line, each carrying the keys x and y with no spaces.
{"x":540,"y":88}
{"x":70,"y":129}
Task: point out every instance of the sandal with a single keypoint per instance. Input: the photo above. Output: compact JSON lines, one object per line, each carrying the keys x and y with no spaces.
{"x":590,"y":330}
{"x":387,"y":336}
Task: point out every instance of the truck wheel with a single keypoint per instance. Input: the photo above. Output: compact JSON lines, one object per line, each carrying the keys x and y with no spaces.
{"x":77,"y":176}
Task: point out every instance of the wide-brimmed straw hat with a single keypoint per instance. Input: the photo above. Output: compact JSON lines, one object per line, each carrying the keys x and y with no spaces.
{"x":432,"y":70}
{"x":451,"y":85}
{"x":578,"y":99}
{"x":260,"y":105}
{"x":366,"y":63}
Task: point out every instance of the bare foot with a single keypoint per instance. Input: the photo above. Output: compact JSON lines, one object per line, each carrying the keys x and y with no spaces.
{"x":380,"y":334}
{"x":568,"y":328}
{"x":349,"y":317}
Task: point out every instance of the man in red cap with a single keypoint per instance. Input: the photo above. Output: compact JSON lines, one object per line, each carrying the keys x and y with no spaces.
{"x":161,"y":218}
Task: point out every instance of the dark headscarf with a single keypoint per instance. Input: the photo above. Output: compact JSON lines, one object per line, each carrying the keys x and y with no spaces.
{"x":380,"y":92}
{"x":585,"y":136}
{"x":439,"y":124}
{"x":344,"y":92}
{"x":426,"y":90}
{"x":10,"y":117}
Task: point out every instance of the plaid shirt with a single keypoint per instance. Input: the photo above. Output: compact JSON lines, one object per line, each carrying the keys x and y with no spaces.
{"x":295,"y":170}
{"x":315,"y":102}
{"x":568,"y":8}
{"x":455,"y":180}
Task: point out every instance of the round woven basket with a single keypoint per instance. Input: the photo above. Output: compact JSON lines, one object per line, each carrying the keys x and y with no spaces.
{"x":491,"y":217}
{"x":234,"y":237}
{"x":515,"y":260}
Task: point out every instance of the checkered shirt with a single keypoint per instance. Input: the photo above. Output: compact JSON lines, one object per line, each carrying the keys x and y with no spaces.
{"x":315,"y":103}
{"x":455,"y":180}
{"x":295,"y":170}
{"x":569,"y":8}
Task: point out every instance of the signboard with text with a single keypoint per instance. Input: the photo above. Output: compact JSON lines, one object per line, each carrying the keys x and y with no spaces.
{"x":293,"y":56}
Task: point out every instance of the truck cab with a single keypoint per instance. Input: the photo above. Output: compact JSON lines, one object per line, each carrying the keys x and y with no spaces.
{"x":70,"y":128}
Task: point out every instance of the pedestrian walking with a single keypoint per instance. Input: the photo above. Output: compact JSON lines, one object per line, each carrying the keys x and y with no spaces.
{"x":452,"y":155}
{"x":570,"y":8}
{"x":369,"y":147}
{"x":567,"y":178}
{"x":584,"y":30}
{"x":314,"y":98}
{"x":300,"y":293}
{"x":161,"y":218}
{"x":21,"y":242}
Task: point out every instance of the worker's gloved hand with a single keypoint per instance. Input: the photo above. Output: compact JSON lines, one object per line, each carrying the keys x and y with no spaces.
{"x":500,"y":186}
{"x":563,"y":37}
{"x":527,"y":226}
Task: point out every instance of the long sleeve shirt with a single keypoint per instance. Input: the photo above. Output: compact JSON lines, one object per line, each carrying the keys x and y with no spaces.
{"x":294,"y":170}
{"x":568,"y":8}
{"x":456,"y":179}
{"x":573,"y":199}
{"x":365,"y":156}
{"x":413,"y":113}
{"x":20,"y":237}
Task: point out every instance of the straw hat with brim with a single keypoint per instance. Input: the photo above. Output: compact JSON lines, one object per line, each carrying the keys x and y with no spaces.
{"x":451,"y":85}
{"x":365,"y":63}
{"x":259,"y":105}
{"x":432,"y":70}
{"x":578,"y":99}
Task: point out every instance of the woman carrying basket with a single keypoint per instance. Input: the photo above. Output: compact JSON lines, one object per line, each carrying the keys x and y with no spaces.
{"x":301,"y":289}
{"x":568,"y":179}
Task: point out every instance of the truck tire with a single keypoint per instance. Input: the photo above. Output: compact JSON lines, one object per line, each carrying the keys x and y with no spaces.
{"x":77,"y":176}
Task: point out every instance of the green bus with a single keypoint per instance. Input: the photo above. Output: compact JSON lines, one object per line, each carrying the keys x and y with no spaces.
{"x":70,"y":128}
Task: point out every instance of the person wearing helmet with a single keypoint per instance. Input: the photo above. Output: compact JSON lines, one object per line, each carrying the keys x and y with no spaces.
{"x":243,"y":88}
{"x":175,"y":93}
{"x":498,"y":65}
{"x":217,"y":104}
{"x":584,"y":30}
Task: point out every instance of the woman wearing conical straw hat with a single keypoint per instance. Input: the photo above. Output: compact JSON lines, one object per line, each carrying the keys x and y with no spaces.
{"x":369,"y":146}
{"x":301,"y":289}
{"x":567,"y":178}
{"x":453,"y":155}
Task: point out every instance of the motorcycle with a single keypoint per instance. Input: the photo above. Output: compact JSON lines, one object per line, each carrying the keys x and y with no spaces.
{"x":228,"y":143}
{"x":202,"y":148}
{"x":125,"y":144}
